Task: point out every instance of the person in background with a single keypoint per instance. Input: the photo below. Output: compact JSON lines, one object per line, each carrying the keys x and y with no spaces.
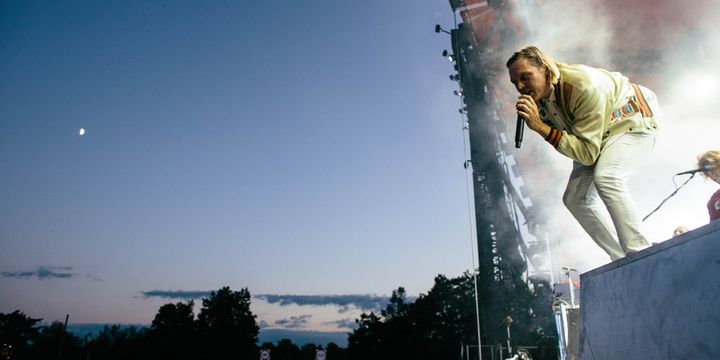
{"x":605,"y":124}
{"x":679,"y":231}
{"x":711,"y":159}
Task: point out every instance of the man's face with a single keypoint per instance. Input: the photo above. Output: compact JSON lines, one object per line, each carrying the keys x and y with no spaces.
{"x":529,"y":79}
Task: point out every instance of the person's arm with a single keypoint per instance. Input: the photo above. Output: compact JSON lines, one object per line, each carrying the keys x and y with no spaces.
{"x":582,"y":143}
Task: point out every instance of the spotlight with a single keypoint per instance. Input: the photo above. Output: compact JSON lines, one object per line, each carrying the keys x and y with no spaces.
{"x":457,"y":93}
{"x":451,"y":57}
{"x":438,"y":29}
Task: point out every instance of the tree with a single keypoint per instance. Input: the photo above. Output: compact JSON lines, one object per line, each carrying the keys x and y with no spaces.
{"x":433,"y":327}
{"x":285,"y":350}
{"x":437,"y":323}
{"x":17,"y":331}
{"x":367,"y":340}
{"x":119,"y":342}
{"x":172,"y":334}
{"x":227,"y":326}
{"x":307,"y":351}
{"x":444,"y":317}
{"x":335,"y":352}
{"x":51,"y":338}
{"x":398,"y":306}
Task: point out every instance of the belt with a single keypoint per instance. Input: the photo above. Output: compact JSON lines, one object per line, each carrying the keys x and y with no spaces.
{"x":636,"y":103}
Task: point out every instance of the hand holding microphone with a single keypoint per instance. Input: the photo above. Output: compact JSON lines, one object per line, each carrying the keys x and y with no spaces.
{"x":526,"y":108}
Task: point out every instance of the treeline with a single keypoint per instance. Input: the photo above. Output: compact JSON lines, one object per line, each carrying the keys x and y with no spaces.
{"x":225,"y":328}
{"x":433,"y":326}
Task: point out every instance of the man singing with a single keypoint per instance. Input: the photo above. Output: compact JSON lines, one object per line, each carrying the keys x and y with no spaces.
{"x":602,"y":121}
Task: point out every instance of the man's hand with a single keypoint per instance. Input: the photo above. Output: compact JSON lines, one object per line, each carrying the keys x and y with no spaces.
{"x":528,"y":110}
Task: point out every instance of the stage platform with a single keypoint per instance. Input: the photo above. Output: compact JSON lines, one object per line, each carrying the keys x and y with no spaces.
{"x":660,"y":303}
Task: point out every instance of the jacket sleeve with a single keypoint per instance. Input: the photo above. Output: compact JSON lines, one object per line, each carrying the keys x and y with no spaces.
{"x":582,"y":142}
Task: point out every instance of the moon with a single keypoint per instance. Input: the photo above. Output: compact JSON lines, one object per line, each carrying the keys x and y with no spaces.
{"x":82,"y":131}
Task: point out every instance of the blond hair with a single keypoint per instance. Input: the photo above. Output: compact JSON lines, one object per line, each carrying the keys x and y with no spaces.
{"x":712,"y":159}
{"x":539,"y":59}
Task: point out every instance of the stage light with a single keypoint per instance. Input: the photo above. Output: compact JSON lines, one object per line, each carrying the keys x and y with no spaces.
{"x":438,"y":29}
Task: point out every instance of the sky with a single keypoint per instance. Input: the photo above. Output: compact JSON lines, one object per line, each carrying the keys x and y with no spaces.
{"x":293,"y":148}
{"x":309,"y":151}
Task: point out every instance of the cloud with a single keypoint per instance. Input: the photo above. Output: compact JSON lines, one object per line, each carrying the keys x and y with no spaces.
{"x":42,"y":272}
{"x":294,"y":322}
{"x":176,"y":294}
{"x":343,"y":323}
{"x":345,"y":302}
{"x":93,"y":277}
{"x":364,"y":302}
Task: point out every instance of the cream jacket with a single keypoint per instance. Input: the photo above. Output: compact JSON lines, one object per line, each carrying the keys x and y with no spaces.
{"x":588,"y":106}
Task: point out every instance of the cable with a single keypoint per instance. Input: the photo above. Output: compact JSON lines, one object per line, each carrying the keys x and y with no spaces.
{"x":671,"y":195}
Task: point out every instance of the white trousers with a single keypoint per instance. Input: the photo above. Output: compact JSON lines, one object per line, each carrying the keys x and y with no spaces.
{"x":593,"y":189}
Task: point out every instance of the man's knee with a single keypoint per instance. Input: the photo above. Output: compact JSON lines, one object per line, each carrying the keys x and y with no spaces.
{"x":608,"y":183}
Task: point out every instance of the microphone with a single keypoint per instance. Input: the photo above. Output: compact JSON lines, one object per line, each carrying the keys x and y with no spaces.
{"x":519,"y":131}
{"x":693,"y":171}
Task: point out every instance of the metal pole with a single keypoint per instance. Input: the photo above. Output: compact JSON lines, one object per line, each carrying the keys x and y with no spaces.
{"x":62,"y":340}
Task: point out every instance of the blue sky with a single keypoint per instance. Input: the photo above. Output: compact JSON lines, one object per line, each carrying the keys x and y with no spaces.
{"x":289,"y":147}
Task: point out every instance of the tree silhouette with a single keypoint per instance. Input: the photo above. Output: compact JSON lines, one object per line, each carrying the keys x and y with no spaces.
{"x":285,"y":350}
{"x":227,"y":326}
{"x":433,"y":327}
{"x":48,"y":342}
{"x":17,"y":331}
{"x":437,"y":323}
{"x":173,"y":332}
{"x":367,"y":340}
{"x":120,"y":342}
{"x":335,"y":352}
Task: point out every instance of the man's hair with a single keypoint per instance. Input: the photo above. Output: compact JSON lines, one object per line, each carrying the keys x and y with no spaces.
{"x":711,"y":158}
{"x":540,"y":59}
